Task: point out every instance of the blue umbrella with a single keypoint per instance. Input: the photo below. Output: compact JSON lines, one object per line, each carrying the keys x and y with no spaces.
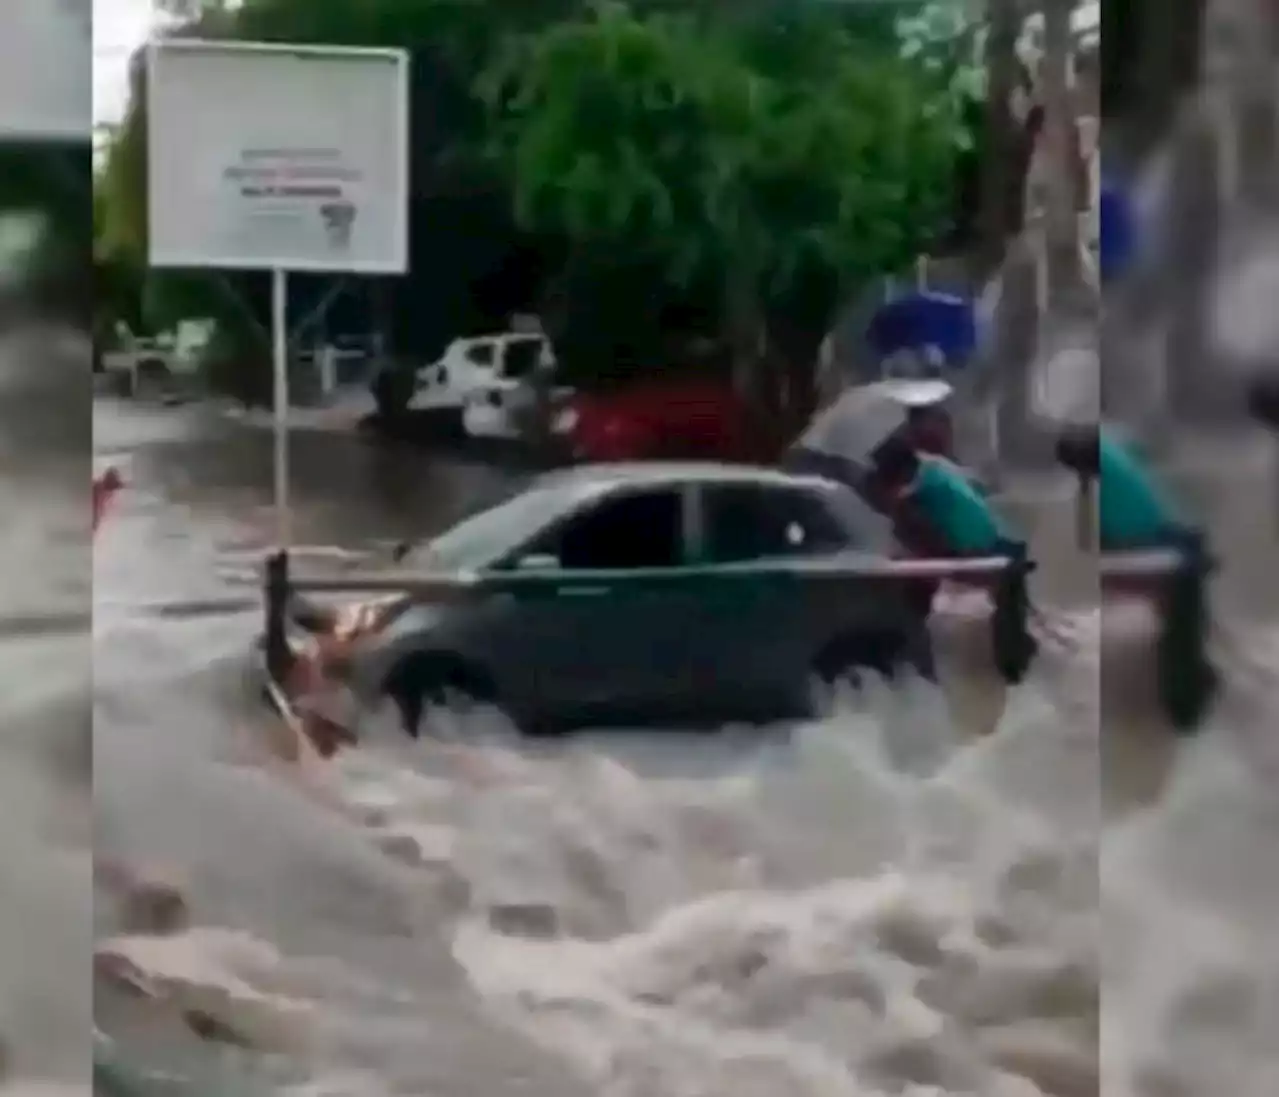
{"x":1117,"y":231}
{"x":925,"y":319}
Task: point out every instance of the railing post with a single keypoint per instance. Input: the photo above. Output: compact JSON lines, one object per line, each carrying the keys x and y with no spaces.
{"x":1013,"y":646}
{"x":1077,"y":449}
{"x":1187,"y":679}
{"x":275,"y":605}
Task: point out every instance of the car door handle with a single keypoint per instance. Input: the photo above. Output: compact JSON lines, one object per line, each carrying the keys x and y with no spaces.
{"x":583,"y":591}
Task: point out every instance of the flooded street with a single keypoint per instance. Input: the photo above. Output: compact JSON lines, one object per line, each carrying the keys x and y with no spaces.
{"x":880,"y":905}
{"x":364,"y":988}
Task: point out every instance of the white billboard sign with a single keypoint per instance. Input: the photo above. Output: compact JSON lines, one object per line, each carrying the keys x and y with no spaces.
{"x":46,"y":69}
{"x":291,"y":158}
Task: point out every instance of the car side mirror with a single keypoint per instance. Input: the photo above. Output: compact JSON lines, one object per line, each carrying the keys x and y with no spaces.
{"x":537,"y":561}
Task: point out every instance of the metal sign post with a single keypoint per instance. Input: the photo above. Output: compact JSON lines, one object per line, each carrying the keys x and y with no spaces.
{"x":280,"y":400}
{"x":297,"y":161}
{"x":275,"y":640}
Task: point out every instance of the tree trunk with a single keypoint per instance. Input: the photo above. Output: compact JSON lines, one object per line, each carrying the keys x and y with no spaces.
{"x":1061,"y":142}
{"x":1014,"y":352}
{"x":1000,"y":168}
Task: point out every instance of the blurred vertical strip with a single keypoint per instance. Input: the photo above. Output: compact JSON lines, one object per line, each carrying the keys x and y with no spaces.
{"x":46,"y":193}
{"x":1150,"y":60}
{"x":46,"y":230}
{"x":46,"y":169}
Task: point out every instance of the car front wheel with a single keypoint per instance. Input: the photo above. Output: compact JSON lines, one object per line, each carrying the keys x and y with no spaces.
{"x":443,"y":698}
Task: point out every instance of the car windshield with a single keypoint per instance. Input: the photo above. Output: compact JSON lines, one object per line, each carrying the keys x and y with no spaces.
{"x":484,"y":538}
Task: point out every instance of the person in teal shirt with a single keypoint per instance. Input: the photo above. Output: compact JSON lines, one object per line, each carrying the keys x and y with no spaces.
{"x":1133,"y":512}
{"x":961,"y":518}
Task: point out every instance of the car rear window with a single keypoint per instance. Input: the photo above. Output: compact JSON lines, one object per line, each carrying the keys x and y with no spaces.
{"x":479,"y":354}
{"x":744,"y":522}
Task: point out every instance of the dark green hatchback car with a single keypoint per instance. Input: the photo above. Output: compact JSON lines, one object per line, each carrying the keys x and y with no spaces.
{"x":654,"y":593}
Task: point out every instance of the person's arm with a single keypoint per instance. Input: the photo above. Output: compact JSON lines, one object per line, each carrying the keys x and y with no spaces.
{"x":912,"y":524}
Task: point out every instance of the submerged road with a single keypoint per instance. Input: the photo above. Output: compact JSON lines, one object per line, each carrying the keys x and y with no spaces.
{"x":450,"y":861}
{"x":176,"y":727}
{"x":742,"y":913}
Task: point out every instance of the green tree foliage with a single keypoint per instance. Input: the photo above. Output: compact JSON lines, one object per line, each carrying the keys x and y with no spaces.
{"x":778,"y":168}
{"x":651,"y":177}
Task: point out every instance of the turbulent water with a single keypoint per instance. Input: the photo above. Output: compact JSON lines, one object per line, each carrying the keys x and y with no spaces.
{"x":886,"y":903}
{"x":881,"y":904}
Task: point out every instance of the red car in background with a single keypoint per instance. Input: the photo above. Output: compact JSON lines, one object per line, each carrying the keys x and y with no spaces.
{"x":696,"y":418}
{"x":678,"y":419}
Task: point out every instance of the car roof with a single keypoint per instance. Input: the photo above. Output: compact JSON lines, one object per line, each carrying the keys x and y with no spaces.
{"x":677,"y":472}
{"x":584,"y":482}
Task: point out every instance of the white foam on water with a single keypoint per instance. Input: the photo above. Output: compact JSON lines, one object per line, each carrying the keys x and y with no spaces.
{"x":871,"y":904}
{"x":836,"y":913}
{"x":1189,"y":880}
{"x":229,"y":978}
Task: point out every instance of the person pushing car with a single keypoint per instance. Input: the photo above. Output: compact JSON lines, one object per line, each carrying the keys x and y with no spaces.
{"x":937,"y":507}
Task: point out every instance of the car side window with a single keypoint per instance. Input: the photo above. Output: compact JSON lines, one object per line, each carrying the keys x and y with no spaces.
{"x":480,"y":354}
{"x":521,"y":358}
{"x":759,"y":522}
{"x":641,"y":529}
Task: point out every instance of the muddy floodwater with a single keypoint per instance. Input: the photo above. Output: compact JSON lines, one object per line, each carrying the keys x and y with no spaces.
{"x":900,"y":901}
{"x":886,"y":903}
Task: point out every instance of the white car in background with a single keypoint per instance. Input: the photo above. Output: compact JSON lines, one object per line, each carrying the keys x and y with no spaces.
{"x":486,"y":379}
